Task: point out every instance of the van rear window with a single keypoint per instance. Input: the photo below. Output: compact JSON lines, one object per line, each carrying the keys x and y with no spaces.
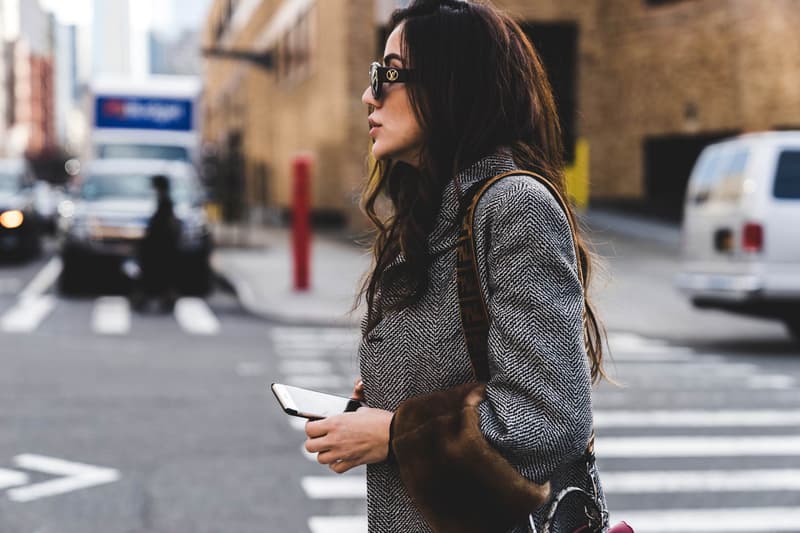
{"x":719,"y":177}
{"x":787,"y":178}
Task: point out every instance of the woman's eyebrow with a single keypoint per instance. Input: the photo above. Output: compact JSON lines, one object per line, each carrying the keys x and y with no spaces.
{"x":389,"y":57}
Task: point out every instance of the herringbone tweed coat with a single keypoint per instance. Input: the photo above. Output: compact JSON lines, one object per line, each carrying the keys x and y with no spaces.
{"x":538,"y":408}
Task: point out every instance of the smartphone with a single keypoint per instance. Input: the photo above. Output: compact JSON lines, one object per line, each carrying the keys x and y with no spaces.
{"x":311,"y":404}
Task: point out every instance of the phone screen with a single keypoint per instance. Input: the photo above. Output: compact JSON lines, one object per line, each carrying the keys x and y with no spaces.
{"x":311,"y":404}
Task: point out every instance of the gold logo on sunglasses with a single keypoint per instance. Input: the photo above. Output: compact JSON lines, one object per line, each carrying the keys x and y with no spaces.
{"x":392,"y":74}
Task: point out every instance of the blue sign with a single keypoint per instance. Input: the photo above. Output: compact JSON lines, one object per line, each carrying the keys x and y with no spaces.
{"x":143,"y":113}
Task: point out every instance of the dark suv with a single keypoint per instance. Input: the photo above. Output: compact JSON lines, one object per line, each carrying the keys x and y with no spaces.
{"x":20,"y":230}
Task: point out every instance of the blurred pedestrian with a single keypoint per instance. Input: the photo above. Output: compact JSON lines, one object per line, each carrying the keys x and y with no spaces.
{"x":158,"y":252}
{"x":462,"y":97}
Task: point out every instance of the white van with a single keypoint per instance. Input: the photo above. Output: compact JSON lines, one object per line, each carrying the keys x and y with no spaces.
{"x":741,"y":227}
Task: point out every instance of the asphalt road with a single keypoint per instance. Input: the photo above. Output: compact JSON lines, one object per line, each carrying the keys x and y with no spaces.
{"x":112,"y":421}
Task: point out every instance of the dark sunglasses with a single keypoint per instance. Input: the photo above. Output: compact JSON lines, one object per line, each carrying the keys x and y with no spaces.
{"x":378,"y":75}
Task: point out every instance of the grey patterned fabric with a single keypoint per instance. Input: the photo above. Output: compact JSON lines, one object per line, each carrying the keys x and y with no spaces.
{"x":538,"y":407}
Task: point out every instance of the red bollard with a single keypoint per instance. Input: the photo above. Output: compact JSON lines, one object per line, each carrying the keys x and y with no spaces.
{"x":301,"y":223}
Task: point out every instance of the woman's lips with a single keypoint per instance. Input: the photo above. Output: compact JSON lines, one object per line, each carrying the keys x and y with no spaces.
{"x":373,"y":127}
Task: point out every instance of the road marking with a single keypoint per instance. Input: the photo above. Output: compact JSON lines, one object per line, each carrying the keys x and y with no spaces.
{"x":338,"y":524}
{"x":770,"y":381}
{"x":12,"y":478}
{"x":697,"y":418}
{"x":329,"y":487}
{"x":757,"y":519}
{"x":701,"y":481}
{"x":43,"y":280}
{"x":194,"y":316}
{"x":699,"y":446}
{"x":27,"y":314}
{"x":111,"y":316}
{"x":310,"y":366}
{"x":75,"y":476}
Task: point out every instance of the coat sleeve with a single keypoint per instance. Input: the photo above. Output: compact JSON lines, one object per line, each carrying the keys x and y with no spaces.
{"x":537,"y":410}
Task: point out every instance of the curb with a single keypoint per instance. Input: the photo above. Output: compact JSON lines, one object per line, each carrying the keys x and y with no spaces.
{"x":239,"y":288}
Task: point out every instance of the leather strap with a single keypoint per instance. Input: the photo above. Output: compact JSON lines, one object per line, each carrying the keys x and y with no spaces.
{"x":474,"y":312}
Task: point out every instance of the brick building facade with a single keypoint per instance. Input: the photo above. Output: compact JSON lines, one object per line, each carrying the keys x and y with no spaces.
{"x":642,"y":86}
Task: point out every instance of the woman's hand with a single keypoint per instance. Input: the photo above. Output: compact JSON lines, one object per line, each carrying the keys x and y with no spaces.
{"x":350,"y":439}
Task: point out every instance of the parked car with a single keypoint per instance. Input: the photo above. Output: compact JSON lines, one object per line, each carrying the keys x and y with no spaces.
{"x":20,"y":231}
{"x":101,"y":225}
{"x":741,"y":228}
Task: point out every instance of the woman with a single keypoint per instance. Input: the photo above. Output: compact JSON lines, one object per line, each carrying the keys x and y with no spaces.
{"x":466,"y":98}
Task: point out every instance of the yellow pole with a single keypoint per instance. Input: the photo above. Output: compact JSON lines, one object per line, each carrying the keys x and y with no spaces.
{"x":577,"y":175}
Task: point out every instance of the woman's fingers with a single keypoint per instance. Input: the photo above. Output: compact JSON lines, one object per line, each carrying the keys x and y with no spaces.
{"x":326,"y":457}
{"x":317,"y":428}
{"x":340,"y":467}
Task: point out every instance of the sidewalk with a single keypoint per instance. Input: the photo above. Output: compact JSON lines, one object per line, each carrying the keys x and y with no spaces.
{"x":256,"y":262}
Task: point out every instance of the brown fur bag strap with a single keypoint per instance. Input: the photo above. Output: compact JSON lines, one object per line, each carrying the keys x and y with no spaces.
{"x":474,"y":313}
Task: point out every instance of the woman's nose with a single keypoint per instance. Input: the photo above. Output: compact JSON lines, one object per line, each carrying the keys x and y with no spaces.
{"x":368,"y":99}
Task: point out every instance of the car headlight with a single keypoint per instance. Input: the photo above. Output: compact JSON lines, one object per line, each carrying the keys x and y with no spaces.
{"x":11,"y":219}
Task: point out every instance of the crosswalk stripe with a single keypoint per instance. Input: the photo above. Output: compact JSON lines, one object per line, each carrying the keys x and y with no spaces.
{"x":27,"y":314}
{"x":756,"y":519}
{"x":338,"y":524}
{"x":770,"y":381}
{"x":111,"y":316}
{"x":330,"y":487}
{"x":670,"y":481}
{"x":638,"y":482}
{"x":194,"y":316}
{"x":629,"y":447}
{"x":43,"y":279}
{"x":678,"y":418}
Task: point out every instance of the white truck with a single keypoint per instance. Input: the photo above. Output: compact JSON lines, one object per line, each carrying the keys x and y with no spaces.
{"x":151,"y":118}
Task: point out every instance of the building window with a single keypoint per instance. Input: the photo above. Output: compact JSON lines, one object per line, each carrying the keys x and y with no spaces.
{"x":295,"y":51}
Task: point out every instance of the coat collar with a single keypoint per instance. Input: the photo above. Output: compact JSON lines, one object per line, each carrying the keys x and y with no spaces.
{"x":445,"y":229}
{"x":444,"y":235}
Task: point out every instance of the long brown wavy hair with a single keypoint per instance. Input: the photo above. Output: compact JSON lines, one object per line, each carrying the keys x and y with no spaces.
{"x":480,"y":85}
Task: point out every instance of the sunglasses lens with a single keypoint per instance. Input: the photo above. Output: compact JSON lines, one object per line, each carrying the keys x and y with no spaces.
{"x":373,"y":81}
